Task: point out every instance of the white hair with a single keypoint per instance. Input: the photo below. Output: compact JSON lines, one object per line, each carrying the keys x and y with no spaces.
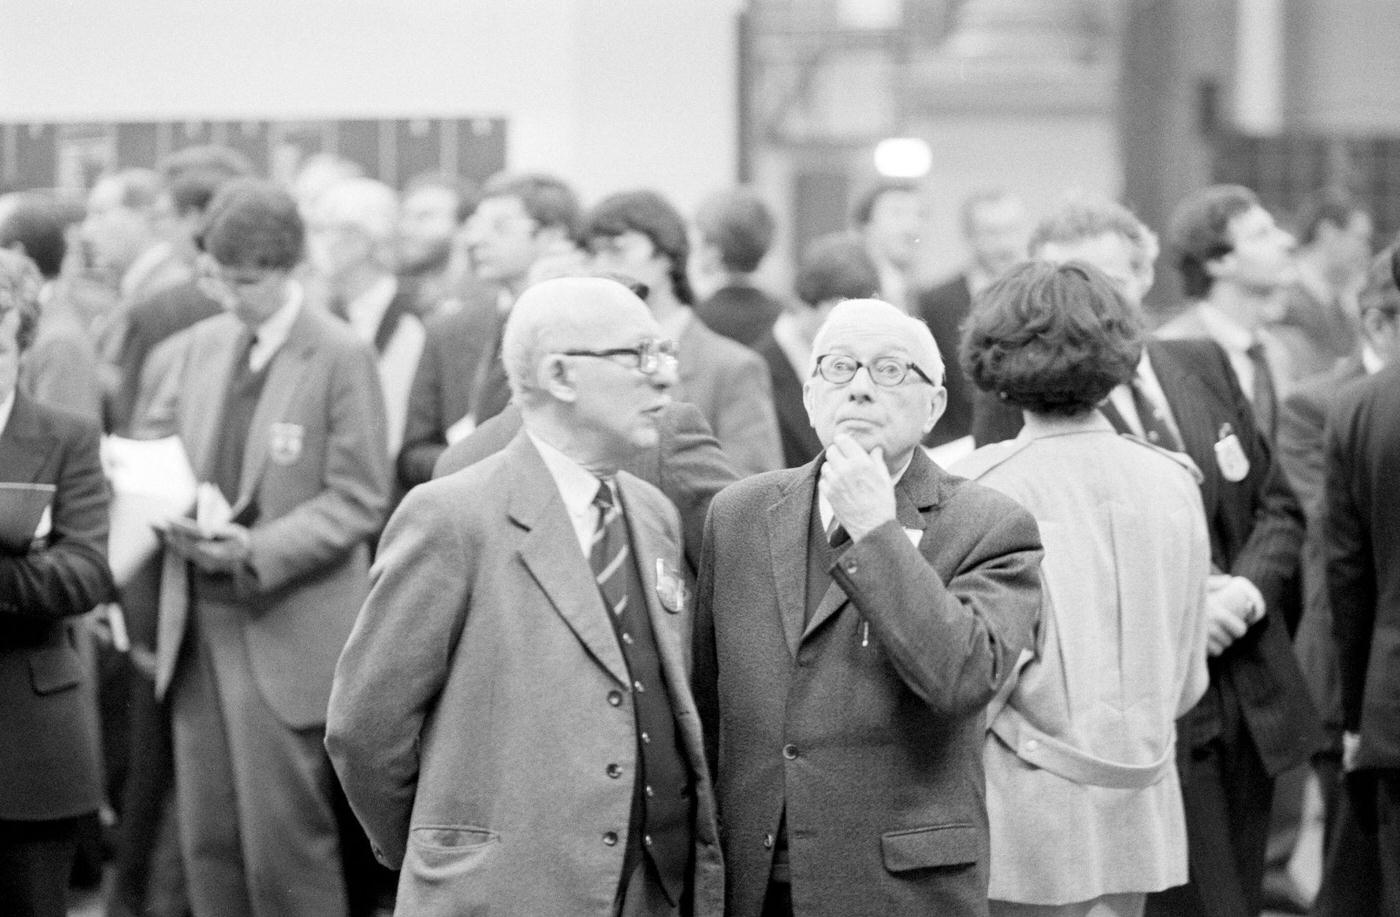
{"x":871,"y":314}
{"x":370,"y":206}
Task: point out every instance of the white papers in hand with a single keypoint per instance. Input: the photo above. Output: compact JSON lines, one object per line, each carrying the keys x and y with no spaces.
{"x":152,"y":483}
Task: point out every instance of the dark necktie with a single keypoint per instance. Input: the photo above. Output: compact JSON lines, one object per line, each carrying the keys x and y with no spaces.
{"x":1263,"y":396}
{"x":610,"y":552}
{"x":1154,"y":422}
{"x":836,"y":534}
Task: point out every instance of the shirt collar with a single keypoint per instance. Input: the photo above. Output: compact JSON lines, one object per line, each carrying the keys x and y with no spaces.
{"x":366,"y":311}
{"x":1226,"y":331}
{"x":272,"y":334}
{"x":577,"y":485}
{"x":6,"y":407}
{"x":144,"y":266}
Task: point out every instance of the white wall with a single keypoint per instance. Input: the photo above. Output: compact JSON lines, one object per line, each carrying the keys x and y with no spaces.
{"x":607,"y":93}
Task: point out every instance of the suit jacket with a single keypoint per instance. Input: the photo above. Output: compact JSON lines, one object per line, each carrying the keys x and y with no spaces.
{"x":740,"y":312}
{"x":48,"y":756}
{"x":60,"y":368}
{"x":149,"y":322}
{"x":315,"y":477}
{"x":944,"y":308}
{"x":1256,"y":531}
{"x":1120,"y":654}
{"x":441,"y":393}
{"x":1314,"y":334}
{"x":688,"y":466}
{"x":800,"y":442}
{"x":861,"y":729}
{"x":483,"y":695}
{"x":1300,"y":453}
{"x":729,"y":384}
{"x":1362,"y":531}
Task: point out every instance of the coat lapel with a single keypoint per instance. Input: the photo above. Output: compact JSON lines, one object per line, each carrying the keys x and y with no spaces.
{"x":24,"y":444}
{"x":203,"y":408}
{"x":787,"y":541}
{"x":549,"y":552}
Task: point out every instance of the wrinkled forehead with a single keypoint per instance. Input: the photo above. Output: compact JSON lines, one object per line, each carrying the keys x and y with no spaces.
{"x":867,"y":329}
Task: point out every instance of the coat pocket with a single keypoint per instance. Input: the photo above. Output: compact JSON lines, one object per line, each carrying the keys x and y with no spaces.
{"x":54,"y":669}
{"x":446,"y":848}
{"x":937,"y":845}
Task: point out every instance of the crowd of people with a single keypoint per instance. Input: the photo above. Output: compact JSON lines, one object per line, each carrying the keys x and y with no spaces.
{"x":536,"y":560}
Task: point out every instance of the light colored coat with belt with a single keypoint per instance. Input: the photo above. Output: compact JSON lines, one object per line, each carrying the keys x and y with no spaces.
{"x":1082,"y":789}
{"x":483,"y":700}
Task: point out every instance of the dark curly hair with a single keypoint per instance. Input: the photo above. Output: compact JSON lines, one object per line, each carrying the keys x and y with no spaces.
{"x":254,"y":223}
{"x":1199,"y":233}
{"x":1051,"y":338}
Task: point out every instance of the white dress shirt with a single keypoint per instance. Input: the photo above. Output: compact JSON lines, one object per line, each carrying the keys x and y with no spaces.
{"x":577,"y":488}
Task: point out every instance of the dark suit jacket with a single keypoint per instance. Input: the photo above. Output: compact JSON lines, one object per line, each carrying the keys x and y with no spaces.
{"x":944,"y":308}
{"x":442,"y":386}
{"x":1300,"y":451}
{"x":1362,"y":530}
{"x":688,"y":466}
{"x":866,"y":721}
{"x":48,"y":757}
{"x":484,"y":694}
{"x":149,"y":322}
{"x":800,"y":441}
{"x":1256,"y":531}
{"x":740,"y":312}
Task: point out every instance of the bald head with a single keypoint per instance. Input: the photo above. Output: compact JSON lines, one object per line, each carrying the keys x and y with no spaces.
{"x":567,"y":313}
{"x":867,"y":317}
{"x":587,"y":369}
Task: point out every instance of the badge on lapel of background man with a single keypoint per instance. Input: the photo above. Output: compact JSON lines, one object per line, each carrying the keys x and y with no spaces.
{"x":284,"y":442}
{"x":1229,"y":455}
{"x":670,"y":587}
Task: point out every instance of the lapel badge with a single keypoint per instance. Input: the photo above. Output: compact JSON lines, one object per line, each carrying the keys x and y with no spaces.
{"x":1230,"y":457}
{"x":284,"y":442}
{"x":670,"y":587}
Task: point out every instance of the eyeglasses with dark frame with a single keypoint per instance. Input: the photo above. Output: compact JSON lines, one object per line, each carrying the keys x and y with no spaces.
{"x":651,"y":354}
{"x":886,"y":372}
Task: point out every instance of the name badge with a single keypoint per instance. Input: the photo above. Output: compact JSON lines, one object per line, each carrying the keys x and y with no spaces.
{"x":284,"y":442}
{"x":670,"y":587}
{"x":1230,"y":457}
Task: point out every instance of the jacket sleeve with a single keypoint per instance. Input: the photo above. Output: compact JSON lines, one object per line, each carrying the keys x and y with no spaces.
{"x":355,"y":483}
{"x":395,"y":665}
{"x":1351,"y":576}
{"x":747,"y":423}
{"x":67,"y":574}
{"x":953,"y":643}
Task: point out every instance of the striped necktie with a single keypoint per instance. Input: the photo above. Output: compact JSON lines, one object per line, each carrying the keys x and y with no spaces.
{"x":610,"y":552}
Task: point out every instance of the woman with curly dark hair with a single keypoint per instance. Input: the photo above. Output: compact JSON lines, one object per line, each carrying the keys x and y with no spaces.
{"x":1082,"y":790}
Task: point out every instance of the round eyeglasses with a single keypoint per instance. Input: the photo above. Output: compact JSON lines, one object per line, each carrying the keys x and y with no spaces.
{"x":651,"y":355}
{"x":888,"y":372}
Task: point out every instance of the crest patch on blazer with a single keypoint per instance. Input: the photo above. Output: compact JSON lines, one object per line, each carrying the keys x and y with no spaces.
{"x":284,"y":441}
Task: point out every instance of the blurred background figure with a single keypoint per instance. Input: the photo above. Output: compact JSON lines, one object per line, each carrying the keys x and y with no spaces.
{"x":521,"y":220}
{"x":60,"y":366}
{"x":1121,"y":648}
{"x":996,"y":228}
{"x":889,"y":217}
{"x":1349,"y":877}
{"x":834,"y":267}
{"x":53,"y":567}
{"x":638,"y":234}
{"x":735,"y":229}
{"x":1321,"y":323}
{"x":350,"y":246}
{"x":434,"y":208}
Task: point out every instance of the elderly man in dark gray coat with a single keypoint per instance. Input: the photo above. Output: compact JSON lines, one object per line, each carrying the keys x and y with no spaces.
{"x":854,"y":618}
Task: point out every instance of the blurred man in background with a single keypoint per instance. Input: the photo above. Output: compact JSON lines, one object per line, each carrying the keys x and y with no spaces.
{"x":434,"y":207}
{"x":889,"y":218}
{"x":735,"y":230}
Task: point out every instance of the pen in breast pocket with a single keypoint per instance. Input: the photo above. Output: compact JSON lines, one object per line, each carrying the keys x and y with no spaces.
{"x":864,"y":633}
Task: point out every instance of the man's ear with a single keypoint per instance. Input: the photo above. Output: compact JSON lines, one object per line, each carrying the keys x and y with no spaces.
{"x":938,"y":404}
{"x":556,"y":377}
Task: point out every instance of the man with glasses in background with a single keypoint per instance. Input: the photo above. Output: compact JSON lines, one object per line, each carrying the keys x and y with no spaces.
{"x":854,"y":618}
{"x":278,"y":407}
{"x":511,"y":719}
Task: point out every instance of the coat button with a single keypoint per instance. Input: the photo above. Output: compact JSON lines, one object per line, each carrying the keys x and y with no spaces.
{"x":1032,"y":745}
{"x":646,"y":739}
{"x":852,"y":566}
{"x":650,"y":794}
{"x":767,"y":842}
{"x":638,"y":687}
{"x":790,"y":752}
{"x":615,"y":698}
{"x":614,"y":771}
{"x":610,"y":838}
{"x":646,"y":839}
